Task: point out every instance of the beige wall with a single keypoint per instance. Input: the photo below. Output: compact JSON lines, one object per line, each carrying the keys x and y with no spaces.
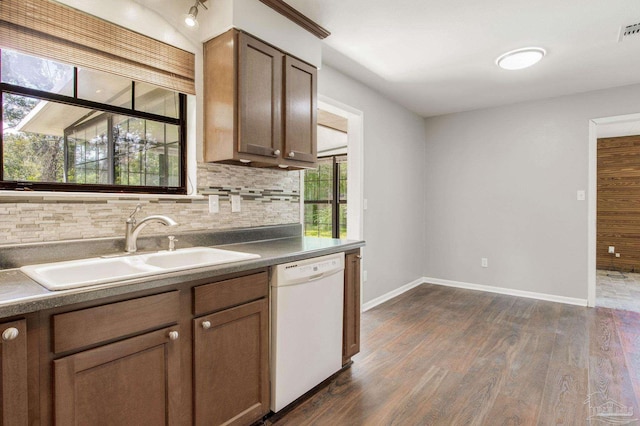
{"x":501,"y":183}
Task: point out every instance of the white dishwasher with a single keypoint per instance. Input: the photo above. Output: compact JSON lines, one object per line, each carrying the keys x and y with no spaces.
{"x":306,"y":326}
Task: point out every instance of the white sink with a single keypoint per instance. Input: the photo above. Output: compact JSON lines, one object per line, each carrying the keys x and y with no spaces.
{"x":86,"y":272}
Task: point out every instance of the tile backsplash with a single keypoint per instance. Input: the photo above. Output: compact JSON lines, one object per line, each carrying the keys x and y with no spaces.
{"x":268,"y":197}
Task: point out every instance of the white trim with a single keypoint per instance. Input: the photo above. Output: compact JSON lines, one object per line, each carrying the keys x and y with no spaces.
{"x":469,"y":286}
{"x":592,"y":204}
{"x":355,"y":163}
{"x":592,"y":197}
{"x":393,"y":293}
{"x":507,"y":291}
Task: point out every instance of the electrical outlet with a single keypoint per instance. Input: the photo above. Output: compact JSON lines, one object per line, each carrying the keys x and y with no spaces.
{"x":214,"y":203}
{"x":617,"y":254}
{"x":581,"y":195}
{"x":235,"y":203}
{"x":484,"y":262}
{"x":612,"y":249}
{"x":364,"y":275}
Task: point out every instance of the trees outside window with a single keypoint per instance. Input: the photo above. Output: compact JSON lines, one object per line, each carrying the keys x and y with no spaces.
{"x":75,"y":129}
{"x":325,"y":198}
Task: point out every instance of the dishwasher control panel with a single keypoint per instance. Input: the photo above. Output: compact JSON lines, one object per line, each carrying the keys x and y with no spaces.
{"x":309,"y":269}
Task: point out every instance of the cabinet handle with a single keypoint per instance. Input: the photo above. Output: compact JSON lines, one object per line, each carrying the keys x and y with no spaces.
{"x":206,"y":325}
{"x":10,"y":334}
{"x":276,"y":152}
{"x":292,"y":154}
{"x":173,"y":335}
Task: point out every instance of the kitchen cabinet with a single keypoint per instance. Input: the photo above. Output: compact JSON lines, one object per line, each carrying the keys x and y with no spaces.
{"x":260,"y":104}
{"x":231,"y":352}
{"x":13,"y":373}
{"x":119,"y":379}
{"x":351,"y":318}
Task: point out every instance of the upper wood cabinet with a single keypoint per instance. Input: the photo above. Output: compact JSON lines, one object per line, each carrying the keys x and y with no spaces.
{"x":13,"y":373}
{"x":260,"y":105}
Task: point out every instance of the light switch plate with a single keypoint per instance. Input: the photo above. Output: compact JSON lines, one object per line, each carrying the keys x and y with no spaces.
{"x":484,"y":262}
{"x":235,"y":203}
{"x":581,"y":195}
{"x":214,"y":203}
{"x":612,"y":249}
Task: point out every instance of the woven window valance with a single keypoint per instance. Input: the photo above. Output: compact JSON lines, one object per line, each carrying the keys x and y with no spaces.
{"x":55,"y":31}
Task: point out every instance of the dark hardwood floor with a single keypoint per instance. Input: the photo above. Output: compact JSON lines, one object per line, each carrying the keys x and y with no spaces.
{"x":444,"y":356}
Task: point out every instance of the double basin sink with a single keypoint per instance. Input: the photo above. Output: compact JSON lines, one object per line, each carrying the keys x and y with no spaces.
{"x":94,"y":271}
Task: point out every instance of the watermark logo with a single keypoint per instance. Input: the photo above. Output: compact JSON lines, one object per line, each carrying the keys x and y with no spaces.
{"x":610,"y":411}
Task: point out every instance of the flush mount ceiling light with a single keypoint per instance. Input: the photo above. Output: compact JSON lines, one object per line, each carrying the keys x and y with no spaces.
{"x":190,"y":18}
{"x":520,"y":58}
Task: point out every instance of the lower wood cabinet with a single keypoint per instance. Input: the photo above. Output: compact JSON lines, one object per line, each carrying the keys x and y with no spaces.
{"x":13,"y":373}
{"x":351,"y":318}
{"x":231,"y":365}
{"x":131,"y":382}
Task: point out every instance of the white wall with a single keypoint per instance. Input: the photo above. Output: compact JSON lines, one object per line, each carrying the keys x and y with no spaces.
{"x":501,"y":183}
{"x":394,"y":182}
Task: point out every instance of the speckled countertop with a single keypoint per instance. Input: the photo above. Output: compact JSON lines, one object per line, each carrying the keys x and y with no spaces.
{"x":21,"y":295}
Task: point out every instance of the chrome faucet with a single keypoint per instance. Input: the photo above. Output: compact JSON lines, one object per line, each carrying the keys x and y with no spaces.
{"x":134,"y":227}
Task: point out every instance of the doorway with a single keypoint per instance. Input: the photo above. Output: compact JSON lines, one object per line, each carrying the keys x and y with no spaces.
{"x":614,"y":215}
{"x":346,"y":125}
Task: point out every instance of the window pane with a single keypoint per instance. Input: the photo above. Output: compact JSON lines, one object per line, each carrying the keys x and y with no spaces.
{"x":105,"y":88}
{"x":343,"y":221}
{"x":156,"y":100}
{"x":317,"y":220}
{"x":101,"y":148}
{"x":36,"y":73}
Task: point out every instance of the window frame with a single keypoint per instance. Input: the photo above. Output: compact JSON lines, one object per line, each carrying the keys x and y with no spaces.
{"x":180,"y":121}
{"x":336,"y":201}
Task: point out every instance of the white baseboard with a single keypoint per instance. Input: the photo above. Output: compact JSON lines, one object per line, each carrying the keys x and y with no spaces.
{"x":507,"y":291}
{"x":469,"y":286}
{"x":393,"y":293}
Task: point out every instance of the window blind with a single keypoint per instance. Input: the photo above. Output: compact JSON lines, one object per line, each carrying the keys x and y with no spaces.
{"x":55,"y":31}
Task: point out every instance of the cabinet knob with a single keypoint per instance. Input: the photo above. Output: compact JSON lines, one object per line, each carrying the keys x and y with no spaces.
{"x":292,"y":154}
{"x":173,"y":335}
{"x":276,"y":152}
{"x":206,"y":325}
{"x":10,"y":334}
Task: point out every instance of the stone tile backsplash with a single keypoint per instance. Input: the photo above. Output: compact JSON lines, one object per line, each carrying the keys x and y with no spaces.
{"x":269,"y":197}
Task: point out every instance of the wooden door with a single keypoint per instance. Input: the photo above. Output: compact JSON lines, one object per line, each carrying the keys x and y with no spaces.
{"x":131,"y":382}
{"x":351,"y":330}
{"x":259,"y":97}
{"x":231,"y":365}
{"x":300,"y":111}
{"x":13,"y":373}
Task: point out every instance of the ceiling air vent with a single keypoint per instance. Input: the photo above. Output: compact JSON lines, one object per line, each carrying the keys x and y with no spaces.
{"x":629,"y":32}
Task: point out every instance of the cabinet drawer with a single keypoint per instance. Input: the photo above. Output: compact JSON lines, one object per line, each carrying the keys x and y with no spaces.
{"x":73,"y":330}
{"x":224,"y":294}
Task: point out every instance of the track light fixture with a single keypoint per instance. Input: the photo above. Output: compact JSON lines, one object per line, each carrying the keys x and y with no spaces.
{"x":190,"y":19}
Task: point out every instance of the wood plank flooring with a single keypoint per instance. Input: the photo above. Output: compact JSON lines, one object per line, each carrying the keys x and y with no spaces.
{"x":442,"y":356}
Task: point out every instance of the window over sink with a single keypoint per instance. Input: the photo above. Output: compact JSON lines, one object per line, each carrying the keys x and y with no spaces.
{"x":73,"y":128}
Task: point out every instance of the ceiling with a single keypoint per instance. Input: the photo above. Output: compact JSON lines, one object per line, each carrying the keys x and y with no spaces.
{"x":436,"y":57}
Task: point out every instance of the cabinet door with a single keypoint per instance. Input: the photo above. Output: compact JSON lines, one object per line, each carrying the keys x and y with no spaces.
{"x":300,"y":111}
{"x":351,"y":331}
{"x":13,"y":373}
{"x":259,"y":97}
{"x":131,"y":382}
{"x":231,"y":365}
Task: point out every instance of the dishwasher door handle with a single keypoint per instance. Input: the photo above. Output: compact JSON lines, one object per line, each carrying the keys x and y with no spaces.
{"x":315,"y":277}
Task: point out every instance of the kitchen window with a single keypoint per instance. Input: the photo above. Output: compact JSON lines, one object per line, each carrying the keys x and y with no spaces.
{"x":325,"y":198}
{"x":76,"y":129}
